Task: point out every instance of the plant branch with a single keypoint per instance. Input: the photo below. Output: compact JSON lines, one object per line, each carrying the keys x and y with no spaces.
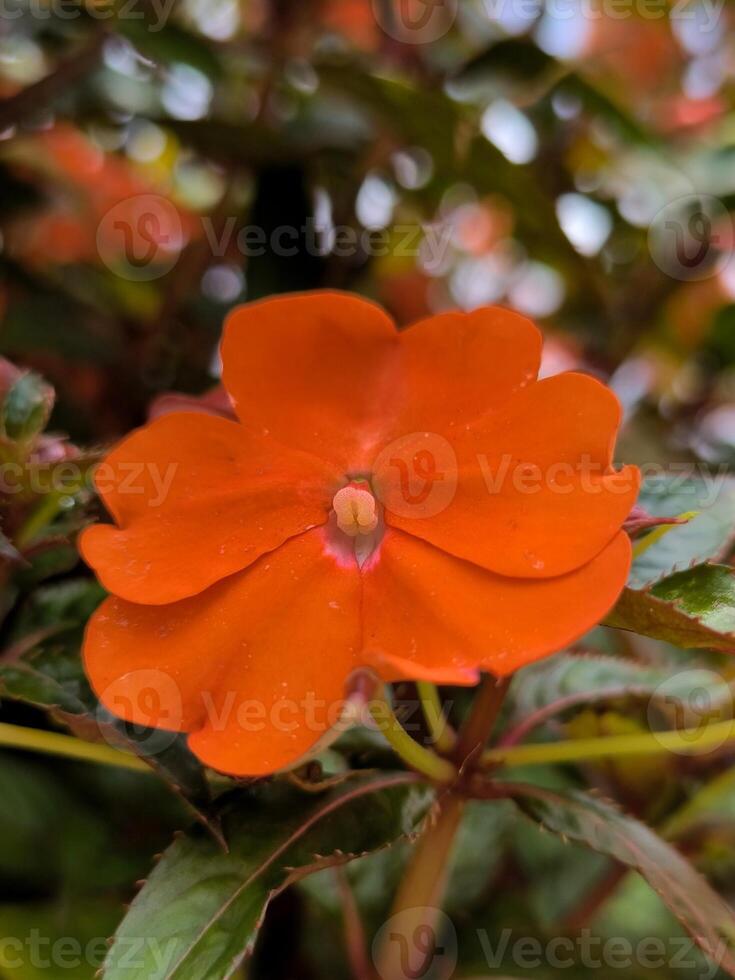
{"x":354,"y":931}
{"x":417,"y":905}
{"x":41,"y":94}
{"x":53,"y":743}
{"x":516,"y":734}
{"x":416,"y":909}
{"x":481,"y":721}
{"x":442,"y":735}
{"x":39,"y":519}
{"x":423,"y":760}
{"x":687,"y":741}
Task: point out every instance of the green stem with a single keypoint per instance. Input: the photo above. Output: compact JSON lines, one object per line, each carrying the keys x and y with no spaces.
{"x":355,"y":944}
{"x":34,"y":740}
{"x":417,"y":904}
{"x":440,"y":731}
{"x":689,"y":741}
{"x":692,"y":741}
{"x":414,"y":755}
{"x":641,"y":546}
{"x":40,"y":518}
{"x":482,"y":718}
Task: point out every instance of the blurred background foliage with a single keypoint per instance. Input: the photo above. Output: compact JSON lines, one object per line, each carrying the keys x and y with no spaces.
{"x":572,"y":160}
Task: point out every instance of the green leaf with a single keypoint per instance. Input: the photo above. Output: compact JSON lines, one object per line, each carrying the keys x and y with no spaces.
{"x":8,"y":551}
{"x":54,"y":558}
{"x":199,"y":913}
{"x":597,"y":103}
{"x":27,"y":407}
{"x":691,"y":609}
{"x":45,"y":939}
{"x":721,"y":341}
{"x":174,"y":45}
{"x":41,"y":665}
{"x":488,"y":170}
{"x":49,"y":675}
{"x":513,"y":63}
{"x":559,"y":874}
{"x":418,"y":115}
{"x":478,"y":859}
{"x":227,"y":142}
{"x":64,"y":604}
{"x":478,"y":852}
{"x":706,"y":537}
{"x":53,"y":323}
{"x":600,"y":826}
{"x":586,"y":679}
{"x":47,"y":680}
{"x":53,"y":679}
{"x":47,"y":833}
{"x":28,"y":800}
{"x":518,"y":66}
{"x":713,"y":802}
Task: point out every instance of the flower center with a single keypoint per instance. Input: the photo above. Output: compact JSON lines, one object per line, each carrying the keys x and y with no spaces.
{"x":355,"y":509}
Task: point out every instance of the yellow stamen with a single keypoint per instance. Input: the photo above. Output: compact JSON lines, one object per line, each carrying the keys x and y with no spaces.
{"x":356,"y":511}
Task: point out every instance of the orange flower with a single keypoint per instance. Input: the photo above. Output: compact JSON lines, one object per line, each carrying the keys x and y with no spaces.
{"x":354,"y":19}
{"x":416,"y":503}
{"x":84,"y":185}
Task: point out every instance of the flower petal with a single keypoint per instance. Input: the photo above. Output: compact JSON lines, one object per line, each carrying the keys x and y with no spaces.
{"x":456,"y":367}
{"x":313,"y":370}
{"x":259,"y":660}
{"x":198,"y":498}
{"x":532,"y":492}
{"x":434,"y":610}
